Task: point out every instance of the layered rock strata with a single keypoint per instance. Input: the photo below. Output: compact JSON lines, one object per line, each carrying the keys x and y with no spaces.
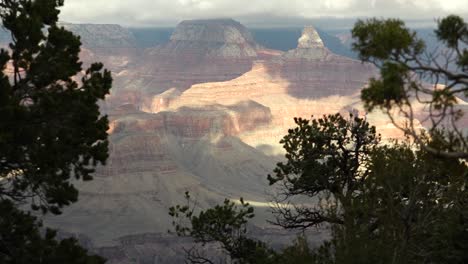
{"x":204,"y":113}
{"x":198,"y":52}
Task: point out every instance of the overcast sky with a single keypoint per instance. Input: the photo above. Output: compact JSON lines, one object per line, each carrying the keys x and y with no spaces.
{"x":278,"y":12}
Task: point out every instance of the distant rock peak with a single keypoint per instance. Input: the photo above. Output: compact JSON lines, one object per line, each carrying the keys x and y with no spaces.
{"x":309,"y":46}
{"x":310,"y":39}
{"x":224,"y":38}
{"x":212,"y":30}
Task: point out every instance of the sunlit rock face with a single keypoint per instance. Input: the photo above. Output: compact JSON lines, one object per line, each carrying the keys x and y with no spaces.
{"x":310,"y":46}
{"x":288,"y":89}
{"x":310,"y":39}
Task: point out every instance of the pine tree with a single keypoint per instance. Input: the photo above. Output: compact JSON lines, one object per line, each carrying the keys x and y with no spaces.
{"x":51,"y":129}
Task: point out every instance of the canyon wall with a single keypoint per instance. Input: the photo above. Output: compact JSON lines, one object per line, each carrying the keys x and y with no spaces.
{"x":202,"y":113}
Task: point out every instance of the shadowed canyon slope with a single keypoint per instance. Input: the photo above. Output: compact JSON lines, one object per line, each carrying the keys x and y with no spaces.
{"x":202,"y":113}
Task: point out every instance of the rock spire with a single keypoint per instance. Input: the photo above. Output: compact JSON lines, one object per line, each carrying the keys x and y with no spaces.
{"x":309,"y":46}
{"x":310,"y":39}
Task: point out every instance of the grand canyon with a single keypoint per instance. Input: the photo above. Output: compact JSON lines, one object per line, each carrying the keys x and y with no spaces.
{"x":203,"y":112}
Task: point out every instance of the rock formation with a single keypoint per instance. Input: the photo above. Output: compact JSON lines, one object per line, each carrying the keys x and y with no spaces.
{"x":310,"y":39}
{"x":105,"y":36}
{"x":110,"y":44}
{"x":199,"y":51}
{"x":212,"y":38}
{"x":203,"y":112}
{"x":309,"y":46}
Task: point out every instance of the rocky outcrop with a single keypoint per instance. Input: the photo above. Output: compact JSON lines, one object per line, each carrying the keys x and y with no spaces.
{"x":213,"y":38}
{"x":199,"y":51}
{"x":310,"y":39}
{"x":310,"y":46}
{"x":193,"y":122}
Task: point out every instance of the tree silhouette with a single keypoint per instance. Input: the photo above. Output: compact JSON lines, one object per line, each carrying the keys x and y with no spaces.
{"x":412,"y":75}
{"x":51,"y":130}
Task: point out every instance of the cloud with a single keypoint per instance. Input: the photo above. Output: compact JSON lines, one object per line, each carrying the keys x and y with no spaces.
{"x":169,"y":12}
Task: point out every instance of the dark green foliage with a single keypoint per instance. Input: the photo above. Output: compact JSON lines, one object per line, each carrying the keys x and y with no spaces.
{"x":300,"y":253}
{"x":408,"y":69}
{"x":451,"y":30}
{"x":384,"y":39}
{"x":23,"y":242}
{"x":223,"y":225}
{"x":409,"y":198}
{"x":51,"y":130}
{"x":224,"y":228}
{"x":382,"y":203}
{"x":389,"y":89}
{"x":326,"y":158}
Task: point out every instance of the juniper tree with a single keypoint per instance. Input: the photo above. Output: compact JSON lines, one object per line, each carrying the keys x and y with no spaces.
{"x":412,"y":76}
{"x":51,"y":130}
